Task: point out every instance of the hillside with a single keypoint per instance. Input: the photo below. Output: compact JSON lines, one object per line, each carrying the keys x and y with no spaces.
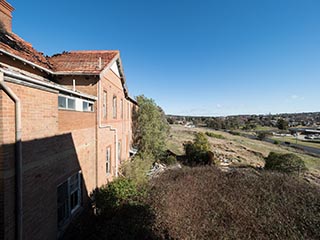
{"x":233,"y":150}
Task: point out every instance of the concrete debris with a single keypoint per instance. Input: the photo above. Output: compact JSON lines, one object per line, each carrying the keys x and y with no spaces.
{"x":159,"y":168}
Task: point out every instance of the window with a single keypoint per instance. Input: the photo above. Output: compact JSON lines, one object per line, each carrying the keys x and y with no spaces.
{"x":62,"y":102}
{"x":114,"y":102}
{"x":69,"y":195}
{"x":74,"y":185}
{"x":87,"y":106}
{"x":121,"y":108}
{"x":108,"y":160}
{"x":63,"y":203}
{"x":104,"y":105}
{"x":71,"y":103}
{"x":119,"y":151}
{"x":66,"y":103}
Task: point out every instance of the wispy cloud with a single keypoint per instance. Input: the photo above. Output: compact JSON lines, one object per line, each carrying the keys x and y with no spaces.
{"x":296,"y":97}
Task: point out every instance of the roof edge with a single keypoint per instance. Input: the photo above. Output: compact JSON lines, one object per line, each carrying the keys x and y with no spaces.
{"x":26,"y":61}
{"x":48,"y":84}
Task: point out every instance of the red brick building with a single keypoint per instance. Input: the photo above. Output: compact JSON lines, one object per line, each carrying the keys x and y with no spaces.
{"x":65,"y":128}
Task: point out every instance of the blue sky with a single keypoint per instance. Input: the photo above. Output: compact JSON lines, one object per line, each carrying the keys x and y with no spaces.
{"x":208,"y":57}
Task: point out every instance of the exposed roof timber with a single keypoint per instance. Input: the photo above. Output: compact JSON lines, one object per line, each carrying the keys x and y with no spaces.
{"x":26,"y":61}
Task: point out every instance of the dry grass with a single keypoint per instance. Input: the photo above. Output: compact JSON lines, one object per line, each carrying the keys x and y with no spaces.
{"x":205,"y":203}
{"x":237,"y":149}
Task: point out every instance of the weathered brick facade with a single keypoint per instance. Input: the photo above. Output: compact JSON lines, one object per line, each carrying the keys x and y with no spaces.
{"x":58,"y":143}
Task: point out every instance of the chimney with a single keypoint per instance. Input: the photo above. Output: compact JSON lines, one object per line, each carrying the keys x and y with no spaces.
{"x":5,"y":15}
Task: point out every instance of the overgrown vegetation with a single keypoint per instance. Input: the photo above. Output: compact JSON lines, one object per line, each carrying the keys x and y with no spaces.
{"x":201,"y":202}
{"x":214,"y":135}
{"x":205,"y":203}
{"x":121,"y":191}
{"x":287,"y":163}
{"x":138,"y":167}
{"x":169,"y":160}
{"x":151,"y":128}
{"x":263,"y":135}
{"x":198,"y":152}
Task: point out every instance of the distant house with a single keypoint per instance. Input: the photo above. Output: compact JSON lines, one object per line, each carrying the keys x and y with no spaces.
{"x":65,"y":128}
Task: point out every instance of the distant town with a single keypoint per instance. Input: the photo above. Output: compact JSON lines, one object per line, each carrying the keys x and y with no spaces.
{"x":310,"y":119}
{"x":287,"y":127}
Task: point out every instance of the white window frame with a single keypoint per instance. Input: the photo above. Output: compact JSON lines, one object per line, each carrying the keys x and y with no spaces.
{"x":90,"y":106}
{"x":67,"y":98}
{"x":71,"y":211}
{"x":78,"y":104}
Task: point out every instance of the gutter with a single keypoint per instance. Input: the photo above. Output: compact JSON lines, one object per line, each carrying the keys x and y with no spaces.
{"x":18,"y":158}
{"x":57,"y":73}
{"x":26,"y":61}
{"x":49,"y":85}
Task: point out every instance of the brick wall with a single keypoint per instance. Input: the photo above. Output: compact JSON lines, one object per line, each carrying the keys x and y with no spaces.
{"x":111,"y":83}
{"x":85,"y":84}
{"x":56,"y":144}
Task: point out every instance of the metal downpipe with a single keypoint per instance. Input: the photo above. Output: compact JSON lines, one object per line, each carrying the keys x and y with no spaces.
{"x":18,"y":157}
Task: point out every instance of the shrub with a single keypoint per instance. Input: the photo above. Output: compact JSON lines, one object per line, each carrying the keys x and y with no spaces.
{"x":197,"y":153}
{"x":262,"y":135}
{"x":169,"y":160}
{"x":115,"y":194}
{"x":276,"y":142}
{"x":235,"y":133}
{"x":287,"y":163}
{"x":214,"y":135}
{"x":136,"y":170}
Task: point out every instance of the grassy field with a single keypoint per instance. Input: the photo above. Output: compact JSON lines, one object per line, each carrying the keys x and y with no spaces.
{"x":237,"y":149}
{"x":293,"y":140}
{"x":265,"y":128}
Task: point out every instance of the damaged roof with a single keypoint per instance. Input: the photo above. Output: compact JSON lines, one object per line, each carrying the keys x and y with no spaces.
{"x":15,"y":45}
{"x":80,"y":62}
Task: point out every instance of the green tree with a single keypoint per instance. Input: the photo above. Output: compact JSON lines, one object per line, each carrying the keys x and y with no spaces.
{"x":282,"y":124}
{"x":151,"y":128}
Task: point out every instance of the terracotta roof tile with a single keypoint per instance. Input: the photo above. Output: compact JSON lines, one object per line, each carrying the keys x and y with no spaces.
{"x":82,"y":61}
{"x":17,"y":46}
{"x":86,"y":62}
